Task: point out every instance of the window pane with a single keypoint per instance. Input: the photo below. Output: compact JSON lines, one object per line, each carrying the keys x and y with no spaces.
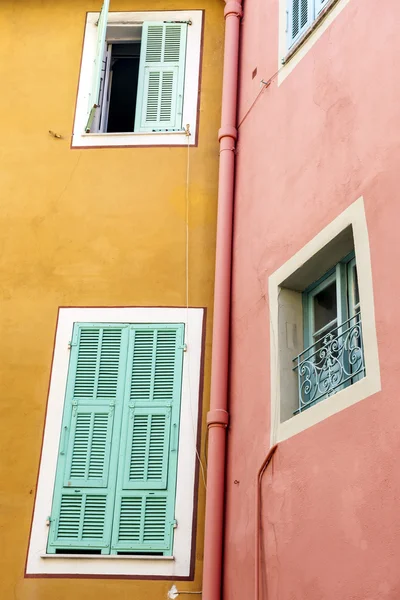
{"x":356,"y":293}
{"x":325,"y":306}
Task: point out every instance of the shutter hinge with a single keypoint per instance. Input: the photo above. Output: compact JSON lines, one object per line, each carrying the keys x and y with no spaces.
{"x":182,"y":347}
{"x":48,"y":521}
{"x":70,"y":344}
{"x":174,"y":523}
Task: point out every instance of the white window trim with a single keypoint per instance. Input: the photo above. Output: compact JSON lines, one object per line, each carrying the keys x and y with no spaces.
{"x":192,"y":79}
{"x":353,"y":216}
{"x":285,"y":69}
{"x":38,"y":562}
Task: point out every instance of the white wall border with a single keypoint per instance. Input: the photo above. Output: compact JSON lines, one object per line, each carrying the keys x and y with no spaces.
{"x":192,"y":82}
{"x":354,"y":215}
{"x":287,"y":68}
{"x":37,"y":561}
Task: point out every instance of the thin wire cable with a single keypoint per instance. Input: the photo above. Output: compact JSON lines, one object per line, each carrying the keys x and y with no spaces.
{"x":264,"y":87}
{"x":187,"y":307}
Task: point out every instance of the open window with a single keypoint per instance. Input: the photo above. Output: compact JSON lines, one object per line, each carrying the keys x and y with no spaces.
{"x":139,"y":76}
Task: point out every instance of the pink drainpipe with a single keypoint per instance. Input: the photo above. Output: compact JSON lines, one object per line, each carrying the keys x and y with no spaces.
{"x":217,"y":418}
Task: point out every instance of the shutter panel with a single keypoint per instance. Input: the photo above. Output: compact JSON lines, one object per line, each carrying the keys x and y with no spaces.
{"x":86,"y":470}
{"x":98,"y":66}
{"x":301,"y":14}
{"x":161,"y":77}
{"x":148,"y":444}
{"x":145,"y":499}
{"x":142,"y":523}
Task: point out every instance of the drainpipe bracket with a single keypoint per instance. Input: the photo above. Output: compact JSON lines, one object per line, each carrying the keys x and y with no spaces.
{"x":233,"y":8}
{"x":217,"y":417}
{"x":227,"y":131}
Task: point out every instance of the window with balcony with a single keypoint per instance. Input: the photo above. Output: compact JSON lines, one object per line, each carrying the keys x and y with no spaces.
{"x":333,"y":357}
{"x":323,"y":344}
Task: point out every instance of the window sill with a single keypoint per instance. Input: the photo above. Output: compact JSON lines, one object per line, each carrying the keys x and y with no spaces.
{"x":128,"y":139}
{"x":108,"y":557}
{"x":307,"y":34}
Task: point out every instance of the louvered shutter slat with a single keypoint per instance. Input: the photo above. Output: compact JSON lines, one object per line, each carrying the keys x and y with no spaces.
{"x":145,"y":498}
{"x":87,"y":466}
{"x":161,"y":77}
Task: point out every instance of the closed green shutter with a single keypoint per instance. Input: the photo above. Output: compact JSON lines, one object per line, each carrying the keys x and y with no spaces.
{"x":87,"y":463}
{"x":116,"y":471}
{"x":94,"y":96}
{"x":145,"y":497}
{"x":161,"y":77}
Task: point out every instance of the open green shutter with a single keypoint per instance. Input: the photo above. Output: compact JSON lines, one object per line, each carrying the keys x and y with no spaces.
{"x":87,"y":464}
{"x":161,"y":77}
{"x":145,"y":497}
{"x":94,"y":98}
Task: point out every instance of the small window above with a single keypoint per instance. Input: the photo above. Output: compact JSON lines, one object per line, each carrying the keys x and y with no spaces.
{"x":300,"y":16}
{"x":139,"y":79}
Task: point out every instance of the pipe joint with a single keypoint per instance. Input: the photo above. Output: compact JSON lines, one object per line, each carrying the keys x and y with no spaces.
{"x":217,"y":417}
{"x":227,"y":131}
{"x":233,"y":8}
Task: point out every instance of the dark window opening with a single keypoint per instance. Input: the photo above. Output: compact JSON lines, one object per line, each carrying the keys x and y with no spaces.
{"x":76,"y":551}
{"x":123,"y":87}
{"x":140,"y":553}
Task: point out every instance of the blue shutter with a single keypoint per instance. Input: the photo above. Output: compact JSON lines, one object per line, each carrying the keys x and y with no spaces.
{"x":159,"y":104}
{"x":300,"y":17}
{"x":145,"y":498}
{"x":88,"y":455}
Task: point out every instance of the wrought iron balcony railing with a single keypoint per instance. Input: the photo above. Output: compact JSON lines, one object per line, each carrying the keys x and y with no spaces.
{"x":333,"y":362}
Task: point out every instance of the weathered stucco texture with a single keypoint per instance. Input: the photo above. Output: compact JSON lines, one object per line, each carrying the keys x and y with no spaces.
{"x":95,"y":227}
{"x":307,"y":149}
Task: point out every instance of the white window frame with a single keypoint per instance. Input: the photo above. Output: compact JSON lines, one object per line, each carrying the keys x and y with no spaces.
{"x":353,"y":216}
{"x":177,"y":565}
{"x":192,"y":81}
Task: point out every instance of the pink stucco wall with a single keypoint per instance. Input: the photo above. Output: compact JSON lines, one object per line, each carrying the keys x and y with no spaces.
{"x":307,"y":149}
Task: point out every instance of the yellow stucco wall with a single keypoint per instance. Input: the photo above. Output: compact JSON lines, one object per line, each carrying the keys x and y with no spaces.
{"x":97,"y":227}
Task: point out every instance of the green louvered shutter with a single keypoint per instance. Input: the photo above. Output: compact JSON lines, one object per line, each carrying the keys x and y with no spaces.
{"x":84,"y":491}
{"x":300,"y":17}
{"x":145,"y":497}
{"x":94,"y":96}
{"x":161,"y":77}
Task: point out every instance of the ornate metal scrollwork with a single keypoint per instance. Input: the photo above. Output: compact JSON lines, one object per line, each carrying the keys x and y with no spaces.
{"x":333,"y":362}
